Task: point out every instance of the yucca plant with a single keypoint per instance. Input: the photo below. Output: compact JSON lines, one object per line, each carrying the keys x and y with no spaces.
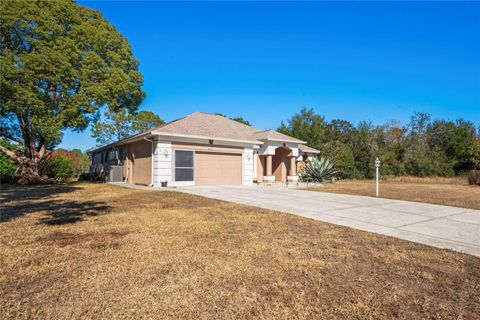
{"x":317,"y":170}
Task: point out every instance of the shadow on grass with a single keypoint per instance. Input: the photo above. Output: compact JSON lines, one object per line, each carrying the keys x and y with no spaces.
{"x":21,"y":200}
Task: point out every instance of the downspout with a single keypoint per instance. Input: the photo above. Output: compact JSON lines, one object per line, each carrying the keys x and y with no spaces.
{"x":153,"y":160}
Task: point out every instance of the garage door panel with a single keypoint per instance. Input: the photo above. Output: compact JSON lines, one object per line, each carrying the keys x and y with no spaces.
{"x":218,"y":168}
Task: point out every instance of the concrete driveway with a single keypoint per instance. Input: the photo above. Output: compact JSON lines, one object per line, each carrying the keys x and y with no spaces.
{"x":435,"y":225}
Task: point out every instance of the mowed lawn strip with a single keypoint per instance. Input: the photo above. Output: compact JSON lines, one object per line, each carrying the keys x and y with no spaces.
{"x":100,"y":251}
{"x":445,"y":191}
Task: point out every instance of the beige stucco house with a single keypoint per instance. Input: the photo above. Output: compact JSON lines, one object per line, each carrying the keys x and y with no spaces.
{"x":206,"y":149}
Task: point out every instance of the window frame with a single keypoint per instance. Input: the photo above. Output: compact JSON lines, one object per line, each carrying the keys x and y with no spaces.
{"x":112,"y":155}
{"x":174,"y":178}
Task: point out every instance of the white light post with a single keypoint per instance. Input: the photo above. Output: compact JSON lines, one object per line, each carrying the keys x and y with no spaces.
{"x":377,"y":166}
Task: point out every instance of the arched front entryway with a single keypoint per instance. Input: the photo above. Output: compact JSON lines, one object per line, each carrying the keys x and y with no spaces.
{"x":278,"y":167}
{"x":281,"y":163}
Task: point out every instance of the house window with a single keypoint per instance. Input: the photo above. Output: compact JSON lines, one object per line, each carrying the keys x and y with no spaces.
{"x":112,"y":155}
{"x":183,"y":165}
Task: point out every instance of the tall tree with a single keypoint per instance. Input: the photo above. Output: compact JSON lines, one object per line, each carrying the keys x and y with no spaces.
{"x":307,"y":126}
{"x":365,"y":150}
{"x":61,"y":62}
{"x":120,"y":125}
{"x":341,"y":156}
{"x":456,"y":139}
{"x":83,"y":162}
{"x":423,"y":157}
{"x":341,"y":130}
{"x":391,"y":143}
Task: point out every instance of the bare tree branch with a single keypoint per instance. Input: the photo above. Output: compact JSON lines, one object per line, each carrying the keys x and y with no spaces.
{"x":41,"y":151}
{"x":10,"y":153}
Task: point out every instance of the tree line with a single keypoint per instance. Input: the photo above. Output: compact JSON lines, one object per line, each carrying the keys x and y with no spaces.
{"x":64,"y":67}
{"x":422,"y":147}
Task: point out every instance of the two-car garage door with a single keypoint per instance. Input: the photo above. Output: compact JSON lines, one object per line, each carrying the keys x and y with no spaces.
{"x":217,"y":168}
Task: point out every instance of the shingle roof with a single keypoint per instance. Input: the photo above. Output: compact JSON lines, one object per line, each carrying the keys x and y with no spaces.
{"x":208,"y":125}
{"x":213,"y":126}
{"x":307,"y":149}
{"x":274,"y":135}
{"x":216,"y":126}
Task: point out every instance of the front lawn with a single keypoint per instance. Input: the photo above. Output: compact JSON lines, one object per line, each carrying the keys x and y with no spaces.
{"x":99,"y":251}
{"x":446,"y":191}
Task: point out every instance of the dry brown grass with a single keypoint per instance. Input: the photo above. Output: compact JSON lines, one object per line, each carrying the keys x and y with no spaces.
{"x":99,"y":251}
{"x":438,"y":190}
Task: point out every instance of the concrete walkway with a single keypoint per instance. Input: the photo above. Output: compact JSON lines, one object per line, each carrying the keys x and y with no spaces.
{"x":439,"y":226}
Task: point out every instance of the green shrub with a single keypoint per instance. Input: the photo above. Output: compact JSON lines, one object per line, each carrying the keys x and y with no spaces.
{"x":430,"y":163}
{"x":317,"y":170}
{"x":8,"y":167}
{"x":342,"y":157}
{"x":474,"y":177}
{"x":58,"y":167}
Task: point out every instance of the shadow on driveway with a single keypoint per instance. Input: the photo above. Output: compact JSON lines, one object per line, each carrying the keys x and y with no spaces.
{"x":17,"y":201}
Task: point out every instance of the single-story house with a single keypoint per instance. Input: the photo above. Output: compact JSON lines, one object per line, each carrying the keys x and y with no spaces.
{"x":206,"y":149}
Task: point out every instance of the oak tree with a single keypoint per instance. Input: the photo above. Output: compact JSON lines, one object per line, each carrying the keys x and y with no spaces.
{"x":60,"y":64}
{"x":120,"y":125}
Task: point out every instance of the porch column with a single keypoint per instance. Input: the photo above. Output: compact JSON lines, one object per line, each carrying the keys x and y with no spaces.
{"x":269,"y":165}
{"x":293,"y":166}
{"x":292,"y":174}
{"x":268,"y":177}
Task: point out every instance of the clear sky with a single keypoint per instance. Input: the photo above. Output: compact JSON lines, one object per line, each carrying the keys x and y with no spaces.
{"x":264,"y":61}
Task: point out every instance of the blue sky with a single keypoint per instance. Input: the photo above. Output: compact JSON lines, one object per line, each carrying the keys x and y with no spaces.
{"x":264,"y":61}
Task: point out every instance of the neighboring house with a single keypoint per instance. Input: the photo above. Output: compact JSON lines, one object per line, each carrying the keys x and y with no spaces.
{"x":203,"y":149}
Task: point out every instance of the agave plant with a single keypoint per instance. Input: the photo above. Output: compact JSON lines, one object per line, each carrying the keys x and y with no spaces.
{"x":317,"y":170}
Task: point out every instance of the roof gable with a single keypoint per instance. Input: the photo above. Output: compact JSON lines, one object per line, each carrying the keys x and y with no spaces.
{"x":271,"y":135}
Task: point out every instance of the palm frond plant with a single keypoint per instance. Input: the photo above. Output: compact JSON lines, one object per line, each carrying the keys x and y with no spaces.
{"x":317,"y":170}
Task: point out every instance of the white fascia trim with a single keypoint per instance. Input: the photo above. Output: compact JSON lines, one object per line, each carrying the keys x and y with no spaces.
{"x":163,"y":134}
{"x":308,"y":152}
